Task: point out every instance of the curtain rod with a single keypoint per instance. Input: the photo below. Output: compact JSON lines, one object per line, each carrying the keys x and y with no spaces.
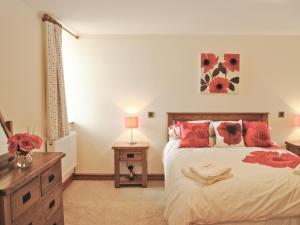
{"x":46,"y":17}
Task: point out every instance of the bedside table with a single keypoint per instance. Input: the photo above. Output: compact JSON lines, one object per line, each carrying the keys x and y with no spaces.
{"x":136,"y":153}
{"x":293,"y":146}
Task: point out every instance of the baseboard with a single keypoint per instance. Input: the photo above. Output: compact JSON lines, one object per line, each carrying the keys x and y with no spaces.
{"x":68,"y":181}
{"x":93,"y":176}
{"x":101,"y":176}
{"x":156,"y":176}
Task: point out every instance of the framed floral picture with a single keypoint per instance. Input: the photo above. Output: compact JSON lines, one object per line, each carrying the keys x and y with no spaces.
{"x":220,"y":74}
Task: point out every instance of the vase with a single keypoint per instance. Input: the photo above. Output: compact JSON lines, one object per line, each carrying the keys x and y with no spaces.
{"x":23,"y":159}
{"x":131,"y":173}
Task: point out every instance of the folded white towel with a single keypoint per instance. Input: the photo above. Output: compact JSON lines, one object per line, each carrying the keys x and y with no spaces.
{"x":297,"y":170}
{"x":207,"y":173}
{"x":209,"y":170}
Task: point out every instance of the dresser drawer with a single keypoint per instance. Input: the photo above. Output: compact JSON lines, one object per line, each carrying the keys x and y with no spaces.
{"x":32,"y":216}
{"x":43,"y":210}
{"x":51,"y":203}
{"x":25,"y":197}
{"x":50,"y":178}
{"x":130,"y":156}
{"x":57,"y":218}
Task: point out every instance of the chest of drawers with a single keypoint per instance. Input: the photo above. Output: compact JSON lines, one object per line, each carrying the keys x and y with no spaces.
{"x":33,"y":195}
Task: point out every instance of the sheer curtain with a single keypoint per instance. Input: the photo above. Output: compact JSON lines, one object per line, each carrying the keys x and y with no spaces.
{"x":57,"y":119}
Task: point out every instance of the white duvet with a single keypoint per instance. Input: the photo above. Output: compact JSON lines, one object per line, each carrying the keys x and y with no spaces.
{"x":255,"y":192}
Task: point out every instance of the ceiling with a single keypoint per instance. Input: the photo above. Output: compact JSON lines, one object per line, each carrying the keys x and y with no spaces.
{"x":92,"y":17}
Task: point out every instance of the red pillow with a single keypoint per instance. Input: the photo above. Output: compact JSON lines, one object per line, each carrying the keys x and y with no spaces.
{"x":194,"y":135}
{"x":257,"y":134}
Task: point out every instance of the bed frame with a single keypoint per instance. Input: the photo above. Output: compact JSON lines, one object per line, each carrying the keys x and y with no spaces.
{"x":174,"y":117}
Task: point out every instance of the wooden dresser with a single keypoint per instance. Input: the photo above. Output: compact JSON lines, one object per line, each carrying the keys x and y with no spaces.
{"x":33,"y":195}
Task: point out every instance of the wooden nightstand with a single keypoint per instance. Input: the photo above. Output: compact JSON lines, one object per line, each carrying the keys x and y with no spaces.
{"x":136,"y":153}
{"x":293,"y":146}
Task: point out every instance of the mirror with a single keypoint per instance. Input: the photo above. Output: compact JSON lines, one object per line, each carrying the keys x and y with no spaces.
{"x":5,"y":133}
{"x":3,"y":141}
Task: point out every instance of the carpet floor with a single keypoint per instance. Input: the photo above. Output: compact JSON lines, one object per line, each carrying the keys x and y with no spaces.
{"x":99,"y":203}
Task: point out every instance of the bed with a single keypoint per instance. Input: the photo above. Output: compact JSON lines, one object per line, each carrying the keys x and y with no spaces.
{"x":256,"y":195}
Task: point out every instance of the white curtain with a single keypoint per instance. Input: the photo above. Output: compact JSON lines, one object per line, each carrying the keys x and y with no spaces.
{"x":57,"y":119}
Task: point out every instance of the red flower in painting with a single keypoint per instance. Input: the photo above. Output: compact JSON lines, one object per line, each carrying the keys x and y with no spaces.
{"x":219,"y":85}
{"x":232,"y":132}
{"x":208,"y":61}
{"x":232,"y":62}
{"x":273,"y":159}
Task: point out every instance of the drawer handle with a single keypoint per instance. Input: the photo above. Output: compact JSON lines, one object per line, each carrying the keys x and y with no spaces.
{"x":130,"y":155}
{"x":10,"y":159}
{"x":51,"y":204}
{"x":26,"y":197}
{"x":30,"y":224}
{"x":54,"y":224}
{"x":51,"y":178}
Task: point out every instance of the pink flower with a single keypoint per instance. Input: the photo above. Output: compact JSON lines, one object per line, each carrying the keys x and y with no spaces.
{"x":23,"y":142}
{"x":26,"y":144}
{"x":37,"y":141}
{"x":13,"y":147}
{"x":16,"y":138}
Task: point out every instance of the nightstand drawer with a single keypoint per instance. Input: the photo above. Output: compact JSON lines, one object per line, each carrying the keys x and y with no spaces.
{"x":131,"y":156}
{"x":293,"y":147}
{"x":294,"y":150}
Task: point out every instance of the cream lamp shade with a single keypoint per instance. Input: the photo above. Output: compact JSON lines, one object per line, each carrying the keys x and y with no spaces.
{"x":131,"y":122}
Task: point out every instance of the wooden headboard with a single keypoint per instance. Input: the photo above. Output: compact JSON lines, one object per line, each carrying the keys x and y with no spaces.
{"x":173,"y":117}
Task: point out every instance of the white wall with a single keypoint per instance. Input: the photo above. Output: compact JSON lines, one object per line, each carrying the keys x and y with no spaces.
{"x":111,"y":75}
{"x":22,"y":98}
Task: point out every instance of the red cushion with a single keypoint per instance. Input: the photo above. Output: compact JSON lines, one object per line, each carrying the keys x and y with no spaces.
{"x":257,"y":134}
{"x":194,"y":135}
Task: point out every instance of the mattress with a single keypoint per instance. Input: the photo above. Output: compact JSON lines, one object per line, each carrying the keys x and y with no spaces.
{"x":256,"y":194}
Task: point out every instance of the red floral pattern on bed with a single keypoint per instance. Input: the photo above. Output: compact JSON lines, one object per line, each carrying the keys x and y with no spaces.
{"x":273,"y":159}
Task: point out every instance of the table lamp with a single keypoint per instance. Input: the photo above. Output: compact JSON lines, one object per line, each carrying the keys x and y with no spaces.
{"x":131,"y":122}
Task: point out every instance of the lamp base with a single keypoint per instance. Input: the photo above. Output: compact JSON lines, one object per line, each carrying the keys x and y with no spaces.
{"x":132,"y":142}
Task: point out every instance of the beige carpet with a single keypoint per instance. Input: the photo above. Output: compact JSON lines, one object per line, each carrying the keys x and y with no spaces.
{"x":99,"y":203}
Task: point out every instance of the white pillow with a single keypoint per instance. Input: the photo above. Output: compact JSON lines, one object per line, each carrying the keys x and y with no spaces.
{"x":229,"y":133}
{"x":174,"y":132}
